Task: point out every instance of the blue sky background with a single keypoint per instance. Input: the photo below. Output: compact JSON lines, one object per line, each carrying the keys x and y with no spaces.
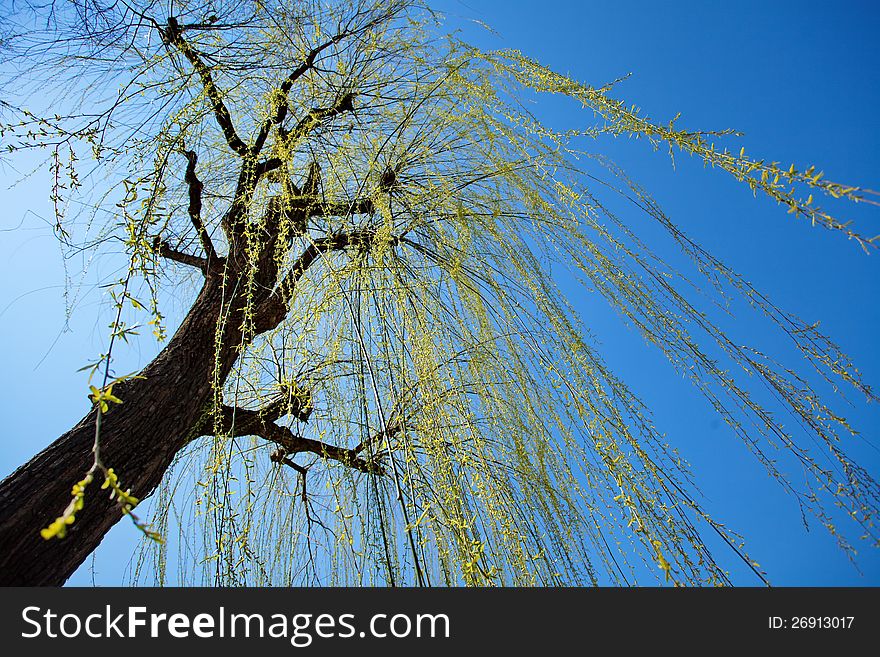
{"x":798,"y":78}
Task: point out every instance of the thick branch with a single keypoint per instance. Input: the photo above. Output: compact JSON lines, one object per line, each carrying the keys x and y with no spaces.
{"x":299,"y":406}
{"x":293,"y":444}
{"x":242,"y":421}
{"x":195,"y":206}
{"x":319,"y":247}
{"x":268,"y":165}
{"x":271,"y":312}
{"x":245,"y":422}
{"x":315,"y":206}
{"x":164,"y":250}
{"x":172,"y":34}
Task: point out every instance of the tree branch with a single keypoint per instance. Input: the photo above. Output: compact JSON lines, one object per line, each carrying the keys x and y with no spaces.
{"x":309,"y":61}
{"x":166,"y":251}
{"x":344,"y":103}
{"x":271,"y":312}
{"x":298,"y":405}
{"x":270,"y":164}
{"x":245,"y":422}
{"x":280,"y":456}
{"x":315,"y":206}
{"x":392,"y":431}
{"x":294,"y":444}
{"x":279,"y":113}
{"x":195,"y":206}
{"x":172,"y":35}
{"x":319,"y":247}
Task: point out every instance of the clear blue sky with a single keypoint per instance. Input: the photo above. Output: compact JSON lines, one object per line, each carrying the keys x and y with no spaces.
{"x":798,"y":78}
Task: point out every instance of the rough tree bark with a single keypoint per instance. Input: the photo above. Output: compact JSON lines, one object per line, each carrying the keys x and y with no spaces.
{"x":139,"y":439}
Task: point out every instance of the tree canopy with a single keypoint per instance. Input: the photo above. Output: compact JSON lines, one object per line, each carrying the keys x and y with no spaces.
{"x":398,"y":391}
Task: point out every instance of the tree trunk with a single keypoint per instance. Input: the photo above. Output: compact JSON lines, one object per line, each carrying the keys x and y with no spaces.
{"x":139,"y":439}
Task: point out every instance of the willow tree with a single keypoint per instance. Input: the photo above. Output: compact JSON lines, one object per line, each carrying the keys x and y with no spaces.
{"x":379,"y":381}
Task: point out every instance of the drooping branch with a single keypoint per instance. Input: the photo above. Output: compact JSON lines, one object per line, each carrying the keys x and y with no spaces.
{"x":280,"y":456}
{"x":195,"y":206}
{"x":172,"y":35}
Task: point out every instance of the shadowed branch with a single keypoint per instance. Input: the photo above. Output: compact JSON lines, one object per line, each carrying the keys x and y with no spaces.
{"x":195,"y":206}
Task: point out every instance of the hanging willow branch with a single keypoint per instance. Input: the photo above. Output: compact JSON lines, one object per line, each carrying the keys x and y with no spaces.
{"x":379,"y":216}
